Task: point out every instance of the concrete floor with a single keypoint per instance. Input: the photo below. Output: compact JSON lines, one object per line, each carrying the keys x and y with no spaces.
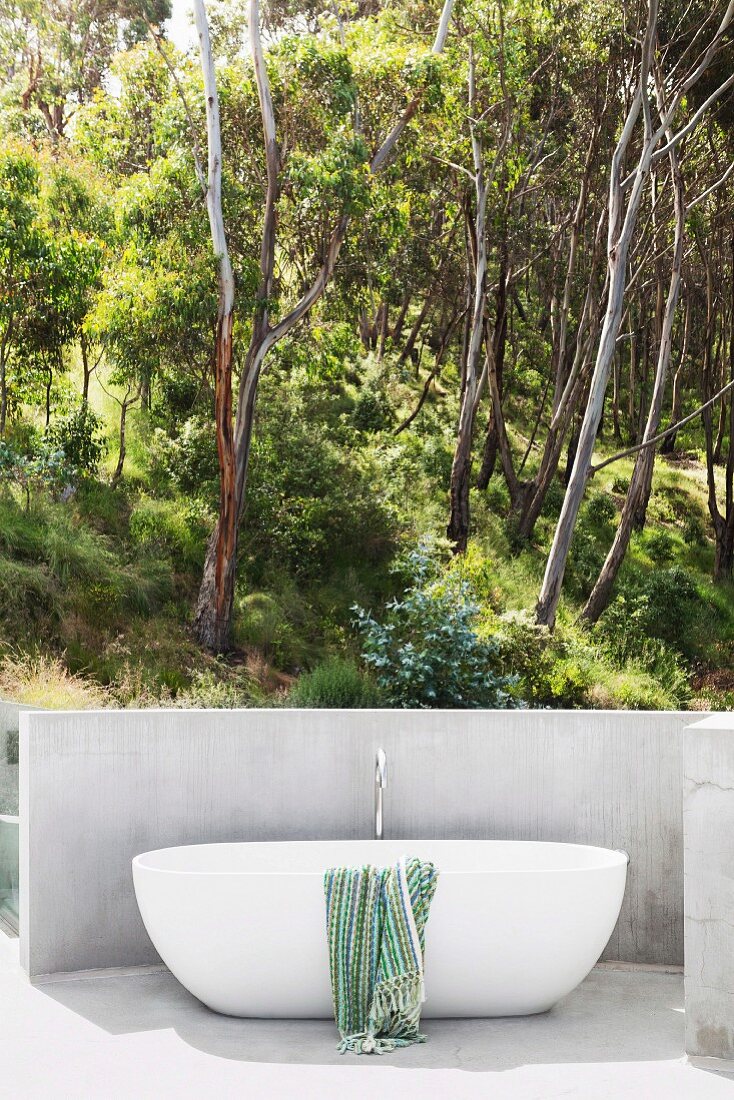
{"x":143,"y":1037}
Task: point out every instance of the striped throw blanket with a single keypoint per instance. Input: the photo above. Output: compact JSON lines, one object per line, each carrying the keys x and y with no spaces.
{"x":375,"y":925}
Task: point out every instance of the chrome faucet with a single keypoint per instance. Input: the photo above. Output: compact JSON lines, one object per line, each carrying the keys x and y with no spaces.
{"x":380,"y":784}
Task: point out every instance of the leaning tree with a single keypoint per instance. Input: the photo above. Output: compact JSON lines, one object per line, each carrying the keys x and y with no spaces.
{"x":234,"y":425}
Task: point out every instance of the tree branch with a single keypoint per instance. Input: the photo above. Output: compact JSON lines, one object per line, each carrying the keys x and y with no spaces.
{"x":661,"y":435}
{"x":198,"y":160}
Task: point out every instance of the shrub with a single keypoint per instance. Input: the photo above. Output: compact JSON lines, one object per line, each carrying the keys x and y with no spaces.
{"x":620,"y":484}
{"x":549,"y":670}
{"x":310,"y":502}
{"x":372,"y":411}
{"x":599,"y":510}
{"x":496,"y":495}
{"x":554,"y":498}
{"x":670,"y":605}
{"x":44,"y":469}
{"x":190,"y":458}
{"x":660,"y":546}
{"x":426,"y":651}
{"x":694,"y":530}
{"x":210,"y":691}
{"x":80,"y":437}
{"x":276,"y":624}
{"x":663,"y":505}
{"x":584,"y":564}
{"x":180,"y":532}
{"x":43,"y":681}
{"x":662,"y":604}
{"x":334,"y":683}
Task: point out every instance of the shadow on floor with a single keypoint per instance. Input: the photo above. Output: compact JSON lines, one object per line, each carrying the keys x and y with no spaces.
{"x":612,"y":1017}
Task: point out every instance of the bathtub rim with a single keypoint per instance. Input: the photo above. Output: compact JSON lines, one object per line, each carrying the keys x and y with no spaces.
{"x":614,"y":857}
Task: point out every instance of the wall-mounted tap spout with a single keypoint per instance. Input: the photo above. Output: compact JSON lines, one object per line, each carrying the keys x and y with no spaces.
{"x":380,"y":784}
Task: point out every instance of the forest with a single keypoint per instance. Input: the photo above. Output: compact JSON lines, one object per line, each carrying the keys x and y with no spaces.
{"x":372,"y":353}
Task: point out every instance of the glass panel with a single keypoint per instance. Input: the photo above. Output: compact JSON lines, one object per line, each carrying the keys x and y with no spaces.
{"x":9,"y":817}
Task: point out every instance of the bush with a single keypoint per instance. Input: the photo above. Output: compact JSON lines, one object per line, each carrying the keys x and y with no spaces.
{"x":42,"y":681}
{"x":276,"y":624}
{"x":663,"y":505}
{"x":669,"y":605}
{"x":599,"y":510}
{"x":554,"y":497}
{"x":620,"y":484}
{"x":336,"y":683}
{"x":549,"y":670}
{"x":190,"y":459}
{"x":590,"y":544}
{"x":660,"y":546}
{"x":372,"y":411}
{"x":310,"y":502}
{"x":79,"y":436}
{"x":178,"y":531}
{"x":426,"y":651}
{"x":662,"y":604}
{"x":209,"y":690}
{"x":44,"y":469}
{"x":694,"y":530}
{"x":584,"y":564}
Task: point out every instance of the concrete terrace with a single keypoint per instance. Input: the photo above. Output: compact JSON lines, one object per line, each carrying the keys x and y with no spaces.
{"x":143,"y":1037}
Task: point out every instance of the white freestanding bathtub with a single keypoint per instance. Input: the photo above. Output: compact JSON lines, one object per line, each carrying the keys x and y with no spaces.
{"x":514,"y":925}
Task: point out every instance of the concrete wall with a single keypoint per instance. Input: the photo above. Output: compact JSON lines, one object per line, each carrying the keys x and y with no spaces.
{"x":709,"y":887}
{"x":99,"y":787}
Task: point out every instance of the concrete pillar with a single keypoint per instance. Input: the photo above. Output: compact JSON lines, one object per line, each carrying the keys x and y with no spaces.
{"x":708,"y":841}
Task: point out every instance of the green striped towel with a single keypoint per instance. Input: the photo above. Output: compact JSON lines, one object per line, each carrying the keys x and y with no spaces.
{"x":375,"y":926}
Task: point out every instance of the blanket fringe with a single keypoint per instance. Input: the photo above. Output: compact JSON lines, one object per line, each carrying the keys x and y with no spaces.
{"x":394,"y":1017}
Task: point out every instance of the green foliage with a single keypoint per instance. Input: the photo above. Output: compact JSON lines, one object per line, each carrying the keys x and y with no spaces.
{"x":189,"y":458}
{"x":262,"y":622}
{"x":311,"y":498}
{"x":584,"y":563}
{"x":372,"y":411}
{"x":660,"y":546}
{"x":694,"y":530}
{"x":550,"y":670}
{"x":79,"y":437}
{"x":662,"y":604}
{"x":168,"y":530}
{"x":599,"y":511}
{"x":55,"y":570}
{"x":218,"y":689}
{"x":336,"y":682}
{"x":426,"y":652}
{"x":106,"y":264}
{"x":45,"y":468}
{"x":590,"y":544}
{"x":553,"y":499}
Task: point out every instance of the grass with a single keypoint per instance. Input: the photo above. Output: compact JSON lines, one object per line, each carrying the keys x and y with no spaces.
{"x":42,"y":681}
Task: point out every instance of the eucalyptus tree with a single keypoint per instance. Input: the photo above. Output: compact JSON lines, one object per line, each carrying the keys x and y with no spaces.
{"x":341,"y":168}
{"x":626,"y":190}
{"x":715,"y":244}
{"x":56,"y":53}
{"x":473,"y":373}
{"x":20,"y":245}
{"x":555,"y":220}
{"x":641,"y":480}
{"x":49,"y":264}
{"x":152,"y":314}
